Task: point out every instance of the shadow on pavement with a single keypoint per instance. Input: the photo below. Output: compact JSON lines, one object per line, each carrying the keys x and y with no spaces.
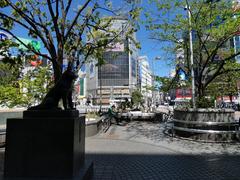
{"x":165,"y":167}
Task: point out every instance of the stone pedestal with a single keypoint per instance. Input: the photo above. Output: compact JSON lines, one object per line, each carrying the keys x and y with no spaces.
{"x":46,"y":144}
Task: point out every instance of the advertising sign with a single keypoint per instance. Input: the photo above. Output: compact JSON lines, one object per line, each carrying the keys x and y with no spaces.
{"x":115,"y":47}
{"x":34,"y":43}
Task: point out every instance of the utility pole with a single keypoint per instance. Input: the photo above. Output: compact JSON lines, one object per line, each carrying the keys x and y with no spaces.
{"x":191,"y":56}
{"x":100,"y":83}
{"x":153,"y":76}
{"x":153,"y":89}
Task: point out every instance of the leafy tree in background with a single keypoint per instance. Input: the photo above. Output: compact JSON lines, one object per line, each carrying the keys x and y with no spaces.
{"x":35,"y":84}
{"x":9,"y":85}
{"x":166,"y":83}
{"x":137,"y":98}
{"x":214,"y":25}
{"x":65,"y":27}
{"x":17,"y":89}
{"x":225,"y":84}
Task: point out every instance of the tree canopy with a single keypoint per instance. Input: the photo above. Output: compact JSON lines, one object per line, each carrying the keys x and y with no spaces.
{"x":214,"y":24}
{"x":65,"y":27}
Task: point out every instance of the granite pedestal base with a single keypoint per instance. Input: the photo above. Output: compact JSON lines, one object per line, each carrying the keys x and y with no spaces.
{"x":46,"y":144}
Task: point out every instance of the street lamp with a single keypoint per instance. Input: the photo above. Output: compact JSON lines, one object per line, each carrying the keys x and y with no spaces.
{"x":153,"y":75}
{"x":191,"y":54}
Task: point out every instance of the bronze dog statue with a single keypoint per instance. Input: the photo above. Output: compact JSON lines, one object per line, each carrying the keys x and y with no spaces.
{"x":62,"y":90}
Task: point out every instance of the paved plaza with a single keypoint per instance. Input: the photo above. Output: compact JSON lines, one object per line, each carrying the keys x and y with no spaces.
{"x":144,"y":151}
{"x":141,"y":150}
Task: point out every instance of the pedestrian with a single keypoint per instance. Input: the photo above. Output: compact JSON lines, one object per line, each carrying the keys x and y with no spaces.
{"x":88,"y":101}
{"x":112,"y":114}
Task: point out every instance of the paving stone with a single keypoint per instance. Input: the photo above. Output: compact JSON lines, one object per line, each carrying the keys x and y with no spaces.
{"x":142,"y":151}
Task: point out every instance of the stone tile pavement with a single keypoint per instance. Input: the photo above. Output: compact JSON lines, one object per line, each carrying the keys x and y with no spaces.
{"x":142,"y":151}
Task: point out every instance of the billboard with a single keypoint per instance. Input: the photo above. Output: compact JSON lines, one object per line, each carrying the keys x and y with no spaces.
{"x":29,"y":42}
{"x":115,"y":47}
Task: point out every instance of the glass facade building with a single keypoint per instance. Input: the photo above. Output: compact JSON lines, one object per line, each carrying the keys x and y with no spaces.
{"x":117,"y":77}
{"x":115,"y":71}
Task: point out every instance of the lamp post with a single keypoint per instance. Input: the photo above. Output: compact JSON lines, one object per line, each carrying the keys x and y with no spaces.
{"x":153,"y":75}
{"x":100,"y":83}
{"x":191,"y":55}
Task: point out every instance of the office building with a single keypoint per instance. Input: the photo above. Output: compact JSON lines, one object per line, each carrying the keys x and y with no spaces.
{"x":145,"y":79}
{"x":115,"y":80}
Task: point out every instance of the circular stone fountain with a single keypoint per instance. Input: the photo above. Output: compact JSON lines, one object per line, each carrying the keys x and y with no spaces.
{"x":216,"y":125}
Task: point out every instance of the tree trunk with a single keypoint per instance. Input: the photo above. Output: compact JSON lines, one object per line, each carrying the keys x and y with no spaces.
{"x":201,"y":90}
{"x":230,"y":97}
{"x":57,"y":69}
{"x":57,"y":63}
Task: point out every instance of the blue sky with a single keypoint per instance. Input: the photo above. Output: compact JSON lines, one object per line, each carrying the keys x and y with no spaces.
{"x":153,"y":48}
{"x":149,"y":48}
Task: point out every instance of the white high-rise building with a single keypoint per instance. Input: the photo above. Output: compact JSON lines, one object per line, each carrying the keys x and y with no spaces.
{"x":145,"y":79}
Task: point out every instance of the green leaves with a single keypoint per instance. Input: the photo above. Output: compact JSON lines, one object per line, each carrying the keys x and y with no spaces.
{"x":3,"y":3}
{"x":213,"y":25}
{"x":226,"y":83}
{"x":137,"y":98}
{"x":66,"y":26}
{"x":19,"y":90}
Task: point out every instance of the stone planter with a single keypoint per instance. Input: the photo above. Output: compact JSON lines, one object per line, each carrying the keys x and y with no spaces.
{"x":205,"y":124}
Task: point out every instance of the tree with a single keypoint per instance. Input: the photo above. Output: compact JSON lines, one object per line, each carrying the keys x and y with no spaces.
{"x":214,"y":25}
{"x":225,"y":84}
{"x":17,"y":89}
{"x":35,"y":84}
{"x":9,"y":86}
{"x":166,"y":83}
{"x":137,"y":98}
{"x":63,"y":27}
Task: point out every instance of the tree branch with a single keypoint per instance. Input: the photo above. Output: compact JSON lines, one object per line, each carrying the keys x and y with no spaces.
{"x":54,"y":19}
{"x":76,"y":18}
{"x":15,"y":37}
